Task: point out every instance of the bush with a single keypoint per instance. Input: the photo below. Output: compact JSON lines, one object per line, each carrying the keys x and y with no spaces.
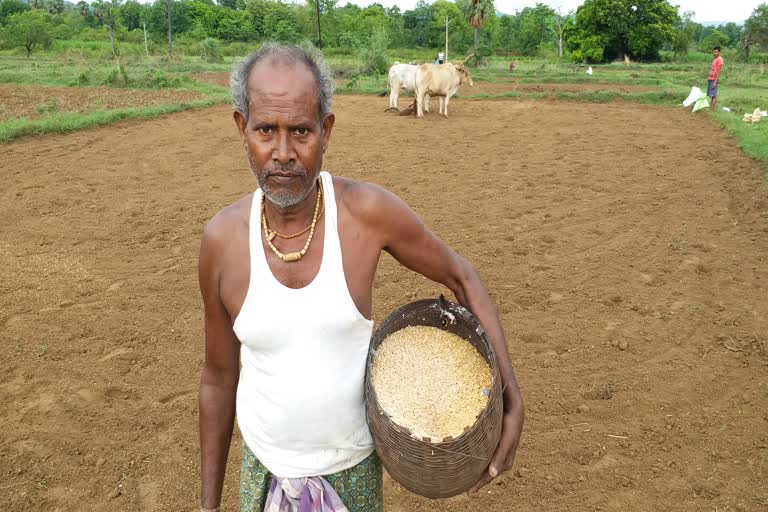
{"x":481,"y":56}
{"x":374,"y":55}
{"x":210,"y":50}
{"x":118,"y":77}
{"x":158,"y":79}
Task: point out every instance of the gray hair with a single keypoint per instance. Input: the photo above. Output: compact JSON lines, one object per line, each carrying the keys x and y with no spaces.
{"x":306,"y":54}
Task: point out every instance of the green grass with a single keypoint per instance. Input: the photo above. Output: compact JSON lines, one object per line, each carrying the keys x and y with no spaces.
{"x":68,"y":122}
{"x":752,"y":138}
{"x":149,"y":75}
{"x":75,"y":64}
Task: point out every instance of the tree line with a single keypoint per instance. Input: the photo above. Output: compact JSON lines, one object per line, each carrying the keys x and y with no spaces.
{"x":598,"y":31}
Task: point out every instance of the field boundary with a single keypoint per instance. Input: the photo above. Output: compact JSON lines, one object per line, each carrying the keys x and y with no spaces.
{"x":72,"y":121}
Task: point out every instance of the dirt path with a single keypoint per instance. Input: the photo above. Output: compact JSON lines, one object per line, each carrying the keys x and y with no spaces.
{"x":625,"y":245}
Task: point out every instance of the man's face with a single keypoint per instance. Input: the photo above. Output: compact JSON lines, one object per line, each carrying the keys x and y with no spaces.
{"x":716,"y":53}
{"x":284,"y":137}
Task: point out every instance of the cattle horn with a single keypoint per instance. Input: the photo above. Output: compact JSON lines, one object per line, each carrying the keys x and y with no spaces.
{"x":467,"y":58}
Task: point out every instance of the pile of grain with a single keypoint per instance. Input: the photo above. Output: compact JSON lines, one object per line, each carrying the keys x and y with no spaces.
{"x":430,"y":381}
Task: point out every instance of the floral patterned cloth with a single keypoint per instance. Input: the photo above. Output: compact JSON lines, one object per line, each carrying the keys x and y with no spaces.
{"x":359,"y":487}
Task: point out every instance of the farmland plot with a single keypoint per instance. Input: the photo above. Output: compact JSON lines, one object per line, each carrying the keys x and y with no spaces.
{"x":625,"y":246}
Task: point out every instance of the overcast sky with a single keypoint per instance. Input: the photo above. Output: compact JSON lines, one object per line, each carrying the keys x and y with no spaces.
{"x":706,"y":10}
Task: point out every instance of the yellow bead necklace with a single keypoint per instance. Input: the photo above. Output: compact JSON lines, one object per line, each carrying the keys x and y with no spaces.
{"x":270,"y":234}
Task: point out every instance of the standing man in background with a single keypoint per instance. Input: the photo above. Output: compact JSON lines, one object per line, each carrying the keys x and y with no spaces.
{"x":440,"y":58}
{"x":714,"y":77}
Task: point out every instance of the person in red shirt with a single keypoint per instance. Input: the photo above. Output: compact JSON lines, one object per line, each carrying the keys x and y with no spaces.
{"x":714,"y":77}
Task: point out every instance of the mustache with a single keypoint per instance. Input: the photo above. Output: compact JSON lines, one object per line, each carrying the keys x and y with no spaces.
{"x":279,"y":168}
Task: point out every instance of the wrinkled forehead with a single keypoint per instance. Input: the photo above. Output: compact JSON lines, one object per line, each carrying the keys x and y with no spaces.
{"x":278,"y":82}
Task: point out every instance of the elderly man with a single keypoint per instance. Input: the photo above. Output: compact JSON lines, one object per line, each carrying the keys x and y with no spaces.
{"x":286,"y":277}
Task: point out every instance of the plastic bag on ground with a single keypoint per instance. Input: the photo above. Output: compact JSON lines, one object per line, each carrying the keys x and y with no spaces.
{"x":701,"y":103}
{"x":696,"y":94}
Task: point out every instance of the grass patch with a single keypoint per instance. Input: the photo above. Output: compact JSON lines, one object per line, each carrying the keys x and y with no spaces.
{"x":94,"y":74}
{"x":68,"y":122}
{"x":49,"y":107}
{"x":752,"y":138}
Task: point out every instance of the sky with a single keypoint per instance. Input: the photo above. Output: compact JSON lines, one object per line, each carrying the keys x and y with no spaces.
{"x":706,"y":10}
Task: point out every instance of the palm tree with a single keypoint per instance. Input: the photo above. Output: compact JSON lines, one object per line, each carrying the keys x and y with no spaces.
{"x":106,"y":13}
{"x":476,"y":12}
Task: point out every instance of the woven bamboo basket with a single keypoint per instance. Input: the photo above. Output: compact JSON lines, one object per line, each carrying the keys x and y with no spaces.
{"x":446,"y":467}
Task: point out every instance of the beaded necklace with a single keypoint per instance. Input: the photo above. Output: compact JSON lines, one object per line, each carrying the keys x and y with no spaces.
{"x":270,"y":234}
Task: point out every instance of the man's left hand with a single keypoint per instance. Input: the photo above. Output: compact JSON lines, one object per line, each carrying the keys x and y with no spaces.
{"x":511,"y":428}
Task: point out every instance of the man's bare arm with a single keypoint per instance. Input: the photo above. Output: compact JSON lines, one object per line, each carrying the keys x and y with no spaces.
{"x":219,"y":377}
{"x":404,"y":235}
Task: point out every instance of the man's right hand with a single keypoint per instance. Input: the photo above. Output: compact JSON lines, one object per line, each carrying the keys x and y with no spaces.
{"x":221,"y":370}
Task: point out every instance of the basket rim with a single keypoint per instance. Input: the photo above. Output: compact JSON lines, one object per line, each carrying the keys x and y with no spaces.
{"x":466,"y":316}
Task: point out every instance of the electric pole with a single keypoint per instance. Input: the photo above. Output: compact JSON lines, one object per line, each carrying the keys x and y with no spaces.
{"x":446,"y":39}
{"x":170,"y":30}
{"x":319,"y":33}
{"x":146,"y":48}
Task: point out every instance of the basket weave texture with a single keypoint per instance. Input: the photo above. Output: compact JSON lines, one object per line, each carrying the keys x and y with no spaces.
{"x":446,"y":467}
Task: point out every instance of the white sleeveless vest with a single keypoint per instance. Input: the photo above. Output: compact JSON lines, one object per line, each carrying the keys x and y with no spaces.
{"x":300,"y":400}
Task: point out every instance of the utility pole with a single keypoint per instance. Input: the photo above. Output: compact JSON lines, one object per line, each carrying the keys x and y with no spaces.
{"x":170,"y":32}
{"x":319,"y":33}
{"x":146,"y":48}
{"x":446,"y":38}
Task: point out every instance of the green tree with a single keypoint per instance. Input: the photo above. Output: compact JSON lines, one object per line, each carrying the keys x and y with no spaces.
{"x":10,"y":7}
{"x":476,"y":13}
{"x":733,"y":32}
{"x":535,"y":28}
{"x":169,"y":17}
{"x":30,"y":29}
{"x":54,"y":6}
{"x":374,"y":54}
{"x":686,"y":33}
{"x":489,"y":37}
{"x":416,"y":24}
{"x":756,"y":29}
{"x":106,"y":11}
{"x":278,"y":21}
{"x":84,"y":9}
{"x":613,"y":28}
{"x":395,"y":27}
{"x":459,"y":33}
{"x":133,"y":14}
{"x":713,"y":38}
{"x":232,"y":25}
{"x":321,"y":18}
{"x":506,"y":32}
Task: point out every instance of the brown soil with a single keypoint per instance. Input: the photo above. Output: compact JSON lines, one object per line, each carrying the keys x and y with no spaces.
{"x":34,"y":101}
{"x":499,"y":87}
{"x":625,"y":246}
{"x":222,"y":79}
{"x":210,"y":77}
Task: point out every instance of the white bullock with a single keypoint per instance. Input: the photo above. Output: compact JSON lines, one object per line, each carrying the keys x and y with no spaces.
{"x":402,"y":76}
